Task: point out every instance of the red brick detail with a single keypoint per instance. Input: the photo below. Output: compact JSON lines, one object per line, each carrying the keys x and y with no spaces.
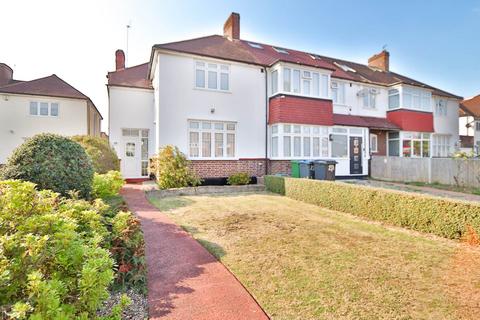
{"x":381,"y":142}
{"x":280,"y":167}
{"x":225,"y":168}
{"x":410,"y":120}
{"x":288,"y":109}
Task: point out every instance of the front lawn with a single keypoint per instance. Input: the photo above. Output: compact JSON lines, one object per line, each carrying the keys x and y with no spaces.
{"x":304,"y":262}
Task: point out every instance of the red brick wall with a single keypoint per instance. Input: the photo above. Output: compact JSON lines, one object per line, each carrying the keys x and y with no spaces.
{"x":225,"y":168}
{"x":279,"y":166}
{"x":410,"y":120}
{"x":289,"y":109}
{"x":381,"y":141}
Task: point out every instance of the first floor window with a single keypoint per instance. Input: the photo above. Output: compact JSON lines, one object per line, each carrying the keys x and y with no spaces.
{"x":43,"y":109}
{"x":209,"y":139}
{"x":373,"y":143}
{"x":274,"y":81}
{"x":212,"y":76}
{"x":393,"y":99}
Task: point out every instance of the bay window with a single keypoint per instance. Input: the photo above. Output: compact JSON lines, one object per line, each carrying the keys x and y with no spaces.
{"x":274,"y":81}
{"x":393,"y":99}
{"x":286,"y":79}
{"x":304,"y":82}
{"x":207,"y":136}
{"x":212,"y":76}
{"x":415,"y":144}
{"x":409,"y":98}
{"x":299,"y":141}
{"x":296,"y":81}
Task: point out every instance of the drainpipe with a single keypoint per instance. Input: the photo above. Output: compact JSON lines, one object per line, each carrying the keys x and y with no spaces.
{"x":266,"y":121}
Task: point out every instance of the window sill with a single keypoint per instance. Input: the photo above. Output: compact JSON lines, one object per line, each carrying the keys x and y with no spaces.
{"x":212,"y":158}
{"x":212,"y":90}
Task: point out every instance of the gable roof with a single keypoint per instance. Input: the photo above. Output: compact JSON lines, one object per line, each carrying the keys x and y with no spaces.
{"x":135,"y":77}
{"x":471,"y":106}
{"x":50,"y":86}
{"x":217,"y":46}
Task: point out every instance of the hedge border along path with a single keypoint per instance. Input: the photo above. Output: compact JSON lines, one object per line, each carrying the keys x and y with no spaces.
{"x":443,"y":217}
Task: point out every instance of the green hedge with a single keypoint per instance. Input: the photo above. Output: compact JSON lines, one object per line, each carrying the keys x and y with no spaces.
{"x":443,"y":217}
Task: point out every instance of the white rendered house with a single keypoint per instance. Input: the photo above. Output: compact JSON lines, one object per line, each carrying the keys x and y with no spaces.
{"x":45,"y":105}
{"x":233,"y":105}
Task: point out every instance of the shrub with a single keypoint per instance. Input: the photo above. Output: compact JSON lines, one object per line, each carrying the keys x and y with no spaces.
{"x":239,"y":179}
{"x":103,"y":157}
{"x":52,"y":264}
{"x":443,"y":217}
{"x":51,"y":162}
{"x":172,"y":170}
{"x":107,"y":185}
{"x":275,"y":184}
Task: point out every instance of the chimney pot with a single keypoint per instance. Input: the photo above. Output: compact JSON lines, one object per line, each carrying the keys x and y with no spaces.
{"x":231,"y":27}
{"x":380,"y":61}
{"x":119,"y":60}
{"x":6,"y":74}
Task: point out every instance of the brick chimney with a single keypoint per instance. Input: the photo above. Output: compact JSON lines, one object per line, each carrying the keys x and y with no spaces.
{"x":380,"y":61}
{"x":231,"y":27}
{"x":6,"y":74}
{"x":119,"y":60}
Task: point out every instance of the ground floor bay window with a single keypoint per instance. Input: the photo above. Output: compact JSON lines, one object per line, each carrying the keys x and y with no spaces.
{"x":211,"y":139}
{"x":409,"y":144}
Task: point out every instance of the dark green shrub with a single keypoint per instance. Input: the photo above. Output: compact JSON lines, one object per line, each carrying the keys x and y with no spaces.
{"x":51,"y":162}
{"x":171,"y":169}
{"x":52,"y":264}
{"x":240,"y":178}
{"x":104,"y":158}
{"x":107,"y":185}
{"x":275,"y":184}
{"x":443,"y":217}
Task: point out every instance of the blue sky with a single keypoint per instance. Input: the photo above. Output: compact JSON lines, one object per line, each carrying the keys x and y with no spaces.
{"x":432,"y":41}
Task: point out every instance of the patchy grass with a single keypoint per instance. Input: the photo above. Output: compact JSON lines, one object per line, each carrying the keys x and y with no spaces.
{"x":304,"y":262}
{"x":447,"y":187}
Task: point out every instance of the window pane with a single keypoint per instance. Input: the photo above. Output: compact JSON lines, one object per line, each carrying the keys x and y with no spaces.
{"x":426,"y":148}
{"x":144,"y":148}
{"x":297,"y":148}
{"x":306,"y":87}
{"x":287,"y":146}
{"x":296,"y":81}
{"x":407,"y":100}
{"x":287,"y":128}
{"x":417,"y":148}
{"x":224,"y":68}
{"x":212,"y":66}
{"x":274,"y":129}
{"x":316,"y":147}
{"x":33,"y":108}
{"x":325,"y":147}
{"x":200,"y":64}
{"x":145,"y":133}
{"x":275,"y":147}
{"x":230,"y":145}
{"x":130,"y":149}
{"x":316,"y":84}
{"x":393,"y":148}
{"x":224,"y":81}
{"x":206,"y":144}
{"x":394,"y":101}
{"x":206,"y":125}
{"x":218,"y":144}
{"x":297,"y":129}
{"x":230,"y":126}
{"x":212,"y":80}
{"x":306,"y":146}
{"x":286,"y":80}
{"x":54,"y":109}
{"x":274,"y":81}
{"x":324,"y":85}
{"x":194,"y":125}
{"x":200,"y":78}
{"x":194,"y":150}
{"x":339,"y":146}
{"x":144,"y":168}
{"x":393,"y":135}
{"x":43,"y":108}
{"x":218,"y":126}
{"x":407,"y":148}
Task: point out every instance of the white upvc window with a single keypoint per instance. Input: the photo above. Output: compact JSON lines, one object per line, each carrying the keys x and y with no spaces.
{"x":393,"y":99}
{"x":477,"y":125}
{"x":274,"y":81}
{"x":373,"y":143}
{"x":212,"y":76}
{"x":441,"y":145}
{"x":416,"y":99}
{"x":44,"y":109}
{"x":338,"y":92}
{"x":298,"y":141}
{"x":339,"y":138}
{"x":368,"y":96}
{"x":441,"y":108}
{"x":304,"y":82}
{"x":415,"y":144}
{"x":211,"y":139}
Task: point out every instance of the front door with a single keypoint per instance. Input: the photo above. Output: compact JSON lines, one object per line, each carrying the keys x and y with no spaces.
{"x":356,"y":155}
{"x":131,"y":164}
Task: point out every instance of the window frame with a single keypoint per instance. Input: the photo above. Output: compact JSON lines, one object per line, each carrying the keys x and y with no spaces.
{"x":212,"y":130}
{"x":373,"y":136}
{"x":312,"y":83}
{"x":219,"y":72}
{"x":38,"y":108}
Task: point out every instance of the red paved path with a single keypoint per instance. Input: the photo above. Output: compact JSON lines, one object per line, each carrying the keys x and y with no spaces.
{"x":184,"y":280}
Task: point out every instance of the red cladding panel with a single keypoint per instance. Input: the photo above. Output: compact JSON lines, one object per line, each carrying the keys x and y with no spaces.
{"x":288,"y":109}
{"x":409,"y":120}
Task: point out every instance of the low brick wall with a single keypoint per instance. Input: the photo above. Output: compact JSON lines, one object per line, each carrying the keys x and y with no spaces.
{"x":280,"y":167}
{"x":225,"y":168}
{"x":191,"y":191}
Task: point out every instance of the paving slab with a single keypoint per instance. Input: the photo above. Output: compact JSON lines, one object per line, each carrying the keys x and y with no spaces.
{"x":184,"y":280}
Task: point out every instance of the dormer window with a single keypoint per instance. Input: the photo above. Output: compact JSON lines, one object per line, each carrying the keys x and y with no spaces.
{"x":280,"y":50}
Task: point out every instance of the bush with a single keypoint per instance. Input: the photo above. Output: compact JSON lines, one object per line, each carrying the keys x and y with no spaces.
{"x":275,"y":184}
{"x":443,"y":217}
{"x":239,"y":179}
{"x":107,"y":185}
{"x":52,"y":264}
{"x":171,"y":169}
{"x":51,"y":162}
{"x":103,"y":157}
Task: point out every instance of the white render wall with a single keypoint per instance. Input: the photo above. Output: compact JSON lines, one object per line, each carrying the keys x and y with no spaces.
{"x":16,"y":123}
{"x":448,"y":124}
{"x":131,"y":108}
{"x":178,"y":101}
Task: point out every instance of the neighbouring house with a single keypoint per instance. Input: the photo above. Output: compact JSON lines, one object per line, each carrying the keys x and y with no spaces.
{"x":236,"y":105}
{"x":46,"y":104}
{"x":470,"y":111}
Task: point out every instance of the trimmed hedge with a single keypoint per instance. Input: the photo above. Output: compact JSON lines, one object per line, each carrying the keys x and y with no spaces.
{"x":443,"y":217}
